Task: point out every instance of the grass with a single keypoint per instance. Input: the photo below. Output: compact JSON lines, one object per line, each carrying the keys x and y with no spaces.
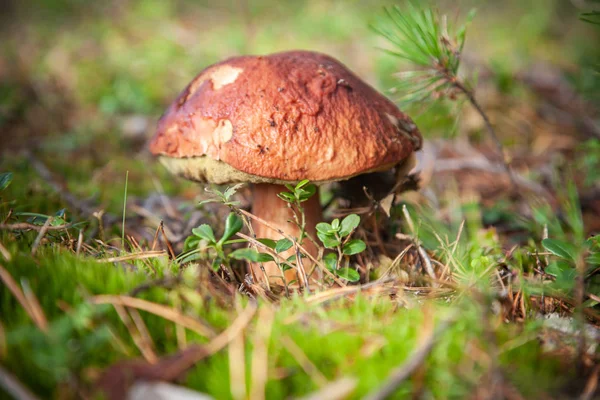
{"x":363,"y":338}
{"x":504,"y":264}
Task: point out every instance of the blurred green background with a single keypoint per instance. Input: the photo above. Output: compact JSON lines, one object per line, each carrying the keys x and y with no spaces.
{"x":86,"y":64}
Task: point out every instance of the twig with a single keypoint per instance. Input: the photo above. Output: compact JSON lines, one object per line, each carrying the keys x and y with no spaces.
{"x":198,"y":353}
{"x":79,"y":242}
{"x":337,"y":390}
{"x":499,"y":148}
{"x":401,"y":373}
{"x":427,"y":264}
{"x":260,"y":352}
{"x":202,"y":328}
{"x":15,"y":388}
{"x":592,"y":385}
{"x":306,"y":252}
{"x":311,"y":370}
{"x":136,"y":336}
{"x":40,"y":235}
{"x":34,"y":305}
{"x":336,"y":293}
{"x":136,"y":256}
{"x":301,"y":270}
{"x":124,"y":211}
{"x":237,"y":367}
{"x":397,"y":260}
{"x":5,"y":253}
{"x":116,"y":379}
{"x":24,"y":226}
{"x":22,"y":299}
{"x":144,"y":333}
{"x":425,"y":260}
{"x":162,"y":230}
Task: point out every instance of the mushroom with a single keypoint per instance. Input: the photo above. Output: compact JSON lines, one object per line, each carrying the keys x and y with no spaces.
{"x":279,"y":119}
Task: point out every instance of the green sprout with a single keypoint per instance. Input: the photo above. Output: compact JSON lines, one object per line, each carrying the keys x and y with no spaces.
{"x":424,"y":38}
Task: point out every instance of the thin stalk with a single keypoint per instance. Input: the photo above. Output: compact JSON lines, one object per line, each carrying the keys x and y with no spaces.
{"x":488,"y":125}
{"x":124,"y":209}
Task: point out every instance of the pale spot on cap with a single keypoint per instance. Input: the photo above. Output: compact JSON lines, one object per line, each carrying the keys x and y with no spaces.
{"x":224,"y":75}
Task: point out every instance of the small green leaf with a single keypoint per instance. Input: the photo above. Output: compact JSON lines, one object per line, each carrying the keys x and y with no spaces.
{"x":288,"y":197}
{"x":58,"y":221}
{"x":329,"y":241}
{"x":354,"y":246}
{"x":205,"y":232}
{"x":324,"y":227}
{"x":335,"y":224}
{"x":233,"y":225}
{"x":593,"y":259}
{"x":301,"y":184}
{"x":330,"y":261}
{"x":306,"y":192}
{"x":5,"y":179}
{"x":348,"y":274}
{"x":230,"y":191}
{"x":270,"y":243}
{"x":560,"y":249}
{"x":349,"y":224}
{"x":203,"y":202}
{"x":290,"y":262}
{"x":216,"y":264}
{"x":250,"y":255}
{"x":560,"y":268}
{"x":565,"y":275}
{"x":191,"y":242}
{"x":283,"y":245}
{"x":193,"y":256}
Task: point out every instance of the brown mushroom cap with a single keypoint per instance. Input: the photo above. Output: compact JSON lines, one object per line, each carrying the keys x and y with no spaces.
{"x":281,"y":118}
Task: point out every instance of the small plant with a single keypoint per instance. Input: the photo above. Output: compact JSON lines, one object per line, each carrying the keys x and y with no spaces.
{"x":337,"y":235}
{"x":223,"y":197}
{"x":295,"y":197}
{"x":203,"y":238}
{"x":564,"y":267}
{"x":426,"y":39}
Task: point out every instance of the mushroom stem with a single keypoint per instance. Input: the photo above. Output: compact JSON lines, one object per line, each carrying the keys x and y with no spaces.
{"x":279,"y":215}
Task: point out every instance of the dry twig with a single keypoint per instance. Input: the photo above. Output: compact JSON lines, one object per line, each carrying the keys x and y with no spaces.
{"x":311,"y":370}
{"x":306,"y":252}
{"x":135,"y":256}
{"x":336,"y":390}
{"x":24,"y":226}
{"x":194,"y":324}
{"x":40,"y":236}
{"x":260,"y":353}
{"x":36,"y":314}
{"x":116,"y":380}
{"x":141,"y":343}
{"x":15,"y":388}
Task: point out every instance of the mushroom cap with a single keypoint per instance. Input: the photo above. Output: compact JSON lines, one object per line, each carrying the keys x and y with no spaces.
{"x":281,"y":118}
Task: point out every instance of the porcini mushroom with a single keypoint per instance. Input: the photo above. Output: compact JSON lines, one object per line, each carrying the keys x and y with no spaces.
{"x":277,"y":119}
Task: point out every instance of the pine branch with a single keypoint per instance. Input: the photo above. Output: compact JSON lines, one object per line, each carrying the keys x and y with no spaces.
{"x":427,"y":40}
